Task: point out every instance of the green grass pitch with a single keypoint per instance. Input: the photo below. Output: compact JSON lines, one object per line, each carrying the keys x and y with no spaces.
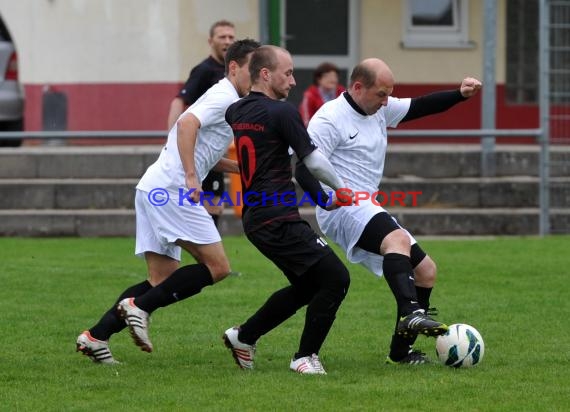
{"x":513,"y":290}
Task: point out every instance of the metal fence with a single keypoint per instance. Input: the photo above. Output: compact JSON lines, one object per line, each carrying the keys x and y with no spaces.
{"x":554,"y":56}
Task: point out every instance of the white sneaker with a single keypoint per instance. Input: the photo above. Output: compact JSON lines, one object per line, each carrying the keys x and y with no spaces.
{"x":97,"y":350}
{"x":308,"y":365}
{"x":242,"y":352}
{"x":137,"y":321}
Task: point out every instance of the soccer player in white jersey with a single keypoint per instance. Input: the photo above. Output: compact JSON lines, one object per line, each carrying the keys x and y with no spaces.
{"x":351,"y":131}
{"x":167,"y":221}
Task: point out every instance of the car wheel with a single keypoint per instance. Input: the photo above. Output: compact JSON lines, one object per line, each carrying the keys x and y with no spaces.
{"x":11,"y":126}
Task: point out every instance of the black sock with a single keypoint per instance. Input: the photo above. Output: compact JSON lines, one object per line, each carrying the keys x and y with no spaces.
{"x":332,"y":280}
{"x":322,"y":289}
{"x":111,"y":322}
{"x":316,"y":330}
{"x":400,"y":346}
{"x":280,"y":306}
{"x":183,"y":283}
{"x":423,"y":296}
{"x":399,"y":275}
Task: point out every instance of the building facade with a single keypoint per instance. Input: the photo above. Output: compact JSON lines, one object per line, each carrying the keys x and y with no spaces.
{"x":120,"y":62}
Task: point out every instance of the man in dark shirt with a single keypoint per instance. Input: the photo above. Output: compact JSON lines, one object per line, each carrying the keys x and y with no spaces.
{"x":264,"y":130}
{"x":201,"y":78}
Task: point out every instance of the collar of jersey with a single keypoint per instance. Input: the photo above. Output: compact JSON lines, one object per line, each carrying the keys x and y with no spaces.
{"x":255,"y":93}
{"x":353,"y":104}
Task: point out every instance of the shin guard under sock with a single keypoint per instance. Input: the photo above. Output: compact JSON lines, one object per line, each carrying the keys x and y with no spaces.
{"x":399,"y":275}
{"x":183,"y":283}
{"x":401,"y":345}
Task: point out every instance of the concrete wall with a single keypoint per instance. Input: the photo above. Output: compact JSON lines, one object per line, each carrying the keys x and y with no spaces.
{"x":78,"y":191}
{"x":102,"y":41}
{"x":120,"y":62}
{"x":110,"y":41}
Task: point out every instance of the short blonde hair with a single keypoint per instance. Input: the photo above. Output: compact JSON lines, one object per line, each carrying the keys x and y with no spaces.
{"x":220,"y":23}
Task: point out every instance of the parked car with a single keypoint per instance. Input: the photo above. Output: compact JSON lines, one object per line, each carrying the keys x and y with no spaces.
{"x":11,"y":91}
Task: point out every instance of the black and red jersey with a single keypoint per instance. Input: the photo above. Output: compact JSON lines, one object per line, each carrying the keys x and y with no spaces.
{"x":264,"y":130}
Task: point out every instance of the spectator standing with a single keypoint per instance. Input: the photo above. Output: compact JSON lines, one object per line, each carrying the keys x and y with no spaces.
{"x":325,"y":87}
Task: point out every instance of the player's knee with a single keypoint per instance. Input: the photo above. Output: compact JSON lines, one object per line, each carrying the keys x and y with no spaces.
{"x":396,"y":241}
{"x":339,"y":282}
{"x":334,"y":277}
{"x":219,"y":269}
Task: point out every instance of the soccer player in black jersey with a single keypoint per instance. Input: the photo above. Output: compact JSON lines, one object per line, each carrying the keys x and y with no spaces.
{"x":264,"y":130}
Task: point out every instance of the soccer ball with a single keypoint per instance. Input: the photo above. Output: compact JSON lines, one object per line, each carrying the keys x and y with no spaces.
{"x":461,"y":347}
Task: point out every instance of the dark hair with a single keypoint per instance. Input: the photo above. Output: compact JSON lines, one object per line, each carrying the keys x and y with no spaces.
{"x":220,"y":23}
{"x":362,"y":73}
{"x":265,"y":56}
{"x":322,"y":69}
{"x":239,"y":50}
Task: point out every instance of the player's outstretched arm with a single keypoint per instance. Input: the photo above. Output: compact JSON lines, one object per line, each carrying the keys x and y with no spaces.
{"x":441,"y":101}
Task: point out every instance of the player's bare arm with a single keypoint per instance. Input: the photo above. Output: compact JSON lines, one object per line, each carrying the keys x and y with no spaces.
{"x":226,"y":165}
{"x":188,"y":126}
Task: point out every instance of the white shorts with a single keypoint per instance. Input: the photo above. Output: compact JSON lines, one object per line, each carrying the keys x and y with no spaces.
{"x":345,"y":226}
{"x":158,"y":227}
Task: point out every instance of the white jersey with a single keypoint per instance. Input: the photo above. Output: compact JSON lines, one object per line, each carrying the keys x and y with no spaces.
{"x":212,"y":141}
{"x":355,"y":144}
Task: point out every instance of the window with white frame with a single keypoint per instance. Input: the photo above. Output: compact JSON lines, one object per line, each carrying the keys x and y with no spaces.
{"x":435,"y":24}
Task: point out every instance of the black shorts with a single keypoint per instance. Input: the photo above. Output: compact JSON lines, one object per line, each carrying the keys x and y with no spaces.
{"x":377,"y":228}
{"x":294,"y":247}
{"x":380,"y":226}
{"x":214,"y":183}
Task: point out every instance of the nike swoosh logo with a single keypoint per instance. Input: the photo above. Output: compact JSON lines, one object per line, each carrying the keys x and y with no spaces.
{"x":352,"y":137}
